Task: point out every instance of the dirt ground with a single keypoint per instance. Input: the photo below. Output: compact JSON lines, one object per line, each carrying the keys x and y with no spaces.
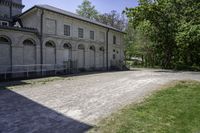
{"x":76,"y":104}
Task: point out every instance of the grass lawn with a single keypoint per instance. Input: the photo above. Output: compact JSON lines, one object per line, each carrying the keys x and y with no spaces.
{"x":175,"y":109}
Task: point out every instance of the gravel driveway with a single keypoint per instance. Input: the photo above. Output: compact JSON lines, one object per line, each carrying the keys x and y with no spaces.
{"x":76,"y":104}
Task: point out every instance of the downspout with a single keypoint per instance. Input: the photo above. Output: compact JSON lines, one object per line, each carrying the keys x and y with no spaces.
{"x":11,"y":14}
{"x":107,"y":67}
{"x":41,"y":39}
{"x":11,"y":8}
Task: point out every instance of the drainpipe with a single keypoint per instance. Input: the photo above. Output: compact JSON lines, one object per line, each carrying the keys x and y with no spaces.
{"x":11,"y":14}
{"x":11,"y":2}
{"x":107,"y":49}
{"x":41,"y":39}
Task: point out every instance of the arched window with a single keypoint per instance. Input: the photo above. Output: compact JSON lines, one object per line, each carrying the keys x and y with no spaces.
{"x":28,"y":42}
{"x":50,"y":53}
{"x":49,"y":44}
{"x":29,"y":52}
{"x":81,"y":46}
{"x":92,"y":48}
{"x":67,"y":46}
{"x":101,"y":48}
{"x":5,"y":52}
{"x":4,"y":40}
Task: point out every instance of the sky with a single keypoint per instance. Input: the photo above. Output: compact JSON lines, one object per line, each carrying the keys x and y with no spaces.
{"x":103,"y":6}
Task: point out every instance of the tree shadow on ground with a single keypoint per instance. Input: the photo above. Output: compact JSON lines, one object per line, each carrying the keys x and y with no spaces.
{"x":176,"y":71}
{"x":5,"y":85}
{"x":17,"y":81}
{"x":167,"y":71}
{"x":19,"y":114}
{"x":93,"y":73}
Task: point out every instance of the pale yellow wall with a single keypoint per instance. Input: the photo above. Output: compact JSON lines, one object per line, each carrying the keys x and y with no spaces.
{"x":56,"y":33}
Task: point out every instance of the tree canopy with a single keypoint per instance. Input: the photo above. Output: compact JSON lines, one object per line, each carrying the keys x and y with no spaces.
{"x":86,"y":9}
{"x":172,"y":28}
{"x":114,"y":19}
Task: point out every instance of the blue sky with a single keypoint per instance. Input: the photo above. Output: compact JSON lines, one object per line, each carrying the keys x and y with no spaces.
{"x":102,"y":6}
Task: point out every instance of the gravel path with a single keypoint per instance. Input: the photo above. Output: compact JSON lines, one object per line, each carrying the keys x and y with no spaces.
{"x":76,"y":105}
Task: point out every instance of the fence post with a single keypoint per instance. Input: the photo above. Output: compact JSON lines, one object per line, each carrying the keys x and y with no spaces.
{"x":55,"y":68}
{"x":5,"y":76}
{"x":76,"y":66}
{"x":27,"y":72}
{"x":67,"y":67}
{"x":41,"y":67}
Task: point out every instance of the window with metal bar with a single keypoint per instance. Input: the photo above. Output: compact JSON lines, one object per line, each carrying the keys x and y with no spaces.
{"x":80,"y":33}
{"x":66,"y":30}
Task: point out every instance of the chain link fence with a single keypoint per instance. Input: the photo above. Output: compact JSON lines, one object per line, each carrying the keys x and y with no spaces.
{"x":43,"y":70}
{"x":37,"y":70}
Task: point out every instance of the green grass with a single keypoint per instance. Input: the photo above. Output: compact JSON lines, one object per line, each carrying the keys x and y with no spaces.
{"x":175,"y":109}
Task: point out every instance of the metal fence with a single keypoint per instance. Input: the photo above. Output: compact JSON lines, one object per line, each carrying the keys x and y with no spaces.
{"x":40,"y":70}
{"x":20,"y":71}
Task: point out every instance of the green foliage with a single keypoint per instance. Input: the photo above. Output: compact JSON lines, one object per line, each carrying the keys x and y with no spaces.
{"x":129,"y":41}
{"x":114,"y":19}
{"x":173,"y":28}
{"x":87,"y":10}
{"x":172,"y":110}
{"x":139,"y":45}
{"x":188,"y":41}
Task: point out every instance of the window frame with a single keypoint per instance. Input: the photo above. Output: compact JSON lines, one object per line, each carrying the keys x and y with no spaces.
{"x":67,"y":46}
{"x":49,"y":22}
{"x":67,"y":30}
{"x":114,"y":56}
{"x":50,"y":44}
{"x":102,"y":34}
{"x":92,"y":34}
{"x":114,"y":39}
{"x":28,"y":42}
{"x":80,"y":33}
{"x":4,"y":40}
{"x":4,"y":23}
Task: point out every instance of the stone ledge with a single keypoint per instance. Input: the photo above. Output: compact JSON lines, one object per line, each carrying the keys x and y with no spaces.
{"x":26,"y":29}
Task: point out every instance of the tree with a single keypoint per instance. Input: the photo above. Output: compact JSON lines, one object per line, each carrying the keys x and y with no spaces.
{"x":129,"y":41}
{"x":113,"y":19}
{"x":139,"y":45}
{"x":188,"y":35}
{"x":173,"y":27}
{"x":86,"y":9}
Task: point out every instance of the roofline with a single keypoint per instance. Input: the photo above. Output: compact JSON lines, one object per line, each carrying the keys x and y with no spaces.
{"x":19,"y":29}
{"x":27,"y":11}
{"x":70,"y":17}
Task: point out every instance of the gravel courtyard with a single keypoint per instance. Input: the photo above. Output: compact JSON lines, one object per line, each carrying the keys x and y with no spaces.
{"x":76,"y":104}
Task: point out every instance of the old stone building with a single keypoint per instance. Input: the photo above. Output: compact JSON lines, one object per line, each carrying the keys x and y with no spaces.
{"x":47,"y":38}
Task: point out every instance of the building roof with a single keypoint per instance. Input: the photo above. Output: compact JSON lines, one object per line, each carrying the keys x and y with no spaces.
{"x":70,"y":14}
{"x":25,"y":29}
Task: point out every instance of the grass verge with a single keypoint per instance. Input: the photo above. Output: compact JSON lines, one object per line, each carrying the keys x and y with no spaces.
{"x":175,"y":109}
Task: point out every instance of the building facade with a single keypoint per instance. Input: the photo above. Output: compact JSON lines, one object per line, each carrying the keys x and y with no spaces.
{"x":45,"y":35}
